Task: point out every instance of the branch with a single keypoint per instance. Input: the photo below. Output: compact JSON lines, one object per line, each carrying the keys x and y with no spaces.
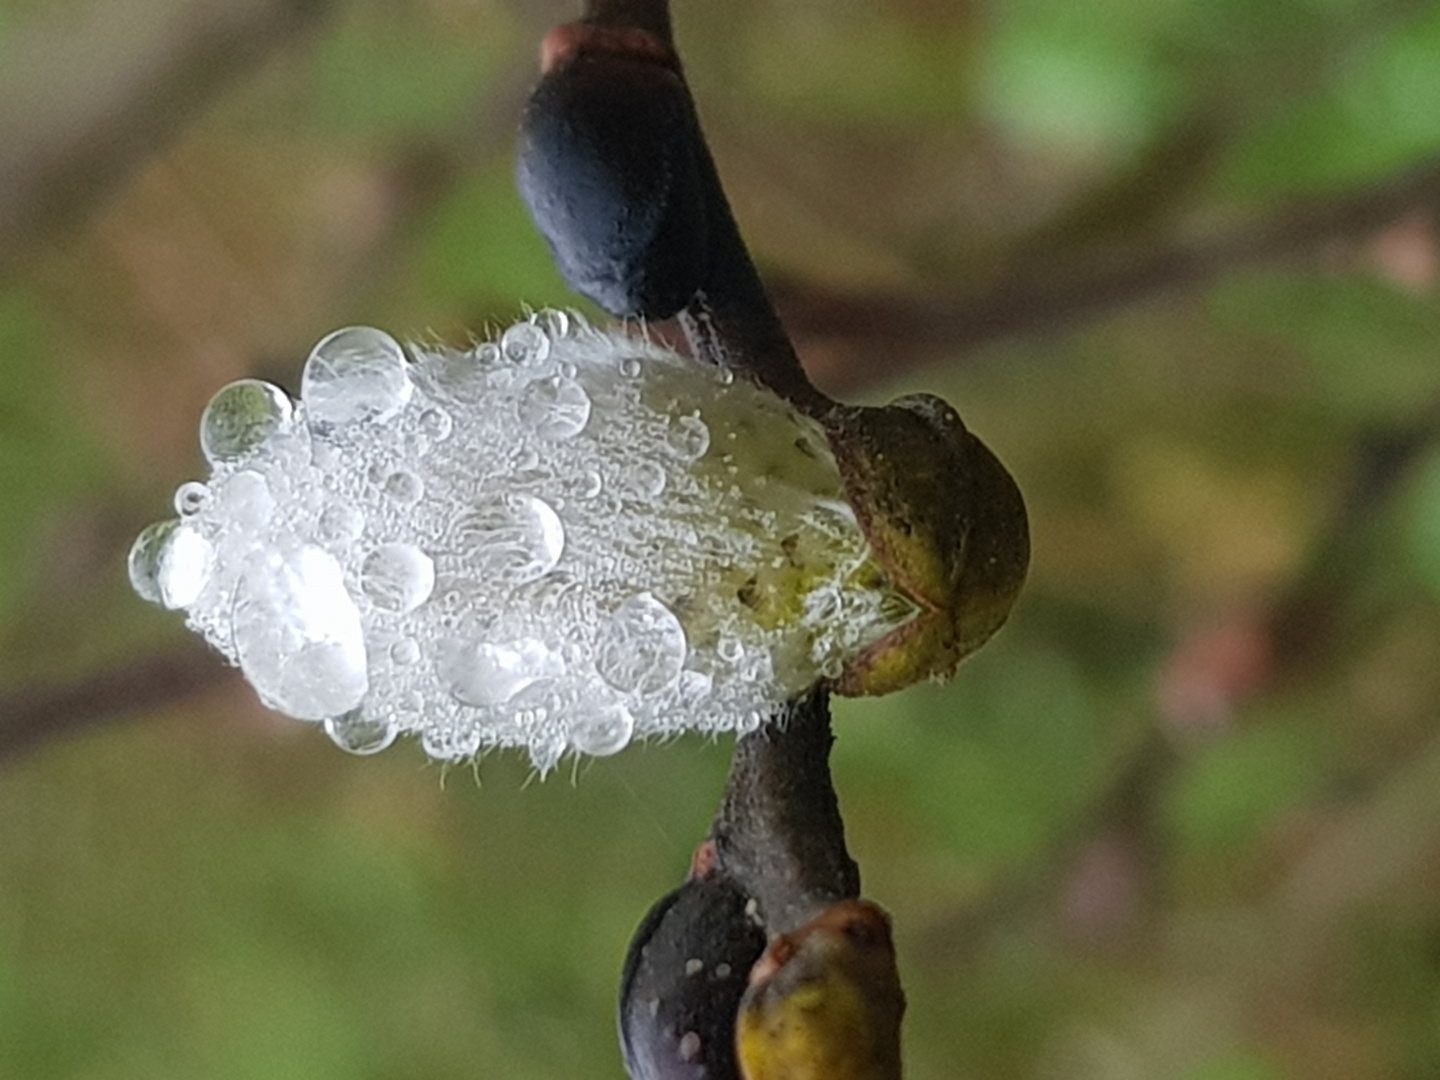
{"x":36,"y":714}
{"x":1087,"y":286}
{"x":80,"y":110}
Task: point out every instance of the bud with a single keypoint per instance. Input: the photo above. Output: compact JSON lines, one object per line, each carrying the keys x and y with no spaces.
{"x":560,"y":540}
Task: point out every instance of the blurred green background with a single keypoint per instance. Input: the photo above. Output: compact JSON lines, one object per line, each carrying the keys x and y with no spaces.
{"x":1176,"y":261}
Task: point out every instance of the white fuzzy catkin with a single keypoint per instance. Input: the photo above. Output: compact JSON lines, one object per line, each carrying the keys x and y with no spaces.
{"x":563,"y":540}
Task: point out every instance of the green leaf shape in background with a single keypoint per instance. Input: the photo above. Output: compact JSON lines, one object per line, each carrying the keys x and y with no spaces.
{"x":1381,"y":114}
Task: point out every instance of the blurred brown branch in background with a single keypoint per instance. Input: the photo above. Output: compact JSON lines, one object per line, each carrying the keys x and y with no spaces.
{"x":842,"y":333}
{"x":80,"y":106}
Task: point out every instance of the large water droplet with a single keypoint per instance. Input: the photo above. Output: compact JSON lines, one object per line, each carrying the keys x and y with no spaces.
{"x":643,"y":647}
{"x":485,"y":673}
{"x":355,"y":374}
{"x":298,"y":634}
{"x":524,"y":343}
{"x":688,"y":437}
{"x":359,"y":733}
{"x":398,"y":577}
{"x":556,"y":408}
{"x":170,"y":564}
{"x":517,"y":538}
{"x":606,"y":731}
{"x":241,"y":418}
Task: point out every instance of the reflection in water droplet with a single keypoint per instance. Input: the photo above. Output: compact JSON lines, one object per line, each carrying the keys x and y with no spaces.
{"x":606,"y":731}
{"x":146,"y":555}
{"x":524,"y":343}
{"x":241,"y":418}
{"x":485,"y":673}
{"x":688,"y":437}
{"x":357,"y":733}
{"x":643,"y":648}
{"x":190,"y":498}
{"x":557,"y":407}
{"x":355,"y":374}
{"x":404,"y":486}
{"x":517,"y":538}
{"x":398,"y":577}
{"x":298,"y":635}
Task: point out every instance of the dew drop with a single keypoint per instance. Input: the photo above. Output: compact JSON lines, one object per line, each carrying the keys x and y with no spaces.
{"x":516,"y":538}
{"x":190,"y":498}
{"x":243,"y":417}
{"x":688,"y":437}
{"x":556,"y":408}
{"x":647,"y":479}
{"x":524,"y":343}
{"x":604,"y":732}
{"x":298,"y":635}
{"x":631,"y":367}
{"x":487,"y":674}
{"x":643,"y":647}
{"x":355,"y":374}
{"x":437,"y":424}
{"x":450,"y":742}
{"x":340,"y":524}
{"x":398,"y":577}
{"x":404,"y":487}
{"x":593,"y":483}
{"x":170,"y":564}
{"x":405,"y":652}
{"x":357,"y":733}
{"x":556,"y":324}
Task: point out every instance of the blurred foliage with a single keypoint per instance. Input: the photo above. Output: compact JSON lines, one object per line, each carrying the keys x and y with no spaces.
{"x":1181,"y":819}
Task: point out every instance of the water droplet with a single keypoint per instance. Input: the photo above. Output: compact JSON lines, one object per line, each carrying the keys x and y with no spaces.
{"x":832,"y":668}
{"x":241,"y":418}
{"x":643,"y":647}
{"x":730,"y":650}
{"x":524,"y":343}
{"x":487,"y":674}
{"x":405,"y":652}
{"x":450,"y":742}
{"x":298,"y":635}
{"x":603,"y":732}
{"x":557,"y":407}
{"x":398,"y":577}
{"x":170,"y":564}
{"x":556,"y":324}
{"x":436,"y":423}
{"x":358,"y":733}
{"x":724,"y":376}
{"x":340,"y":524}
{"x":190,"y":498}
{"x":516,"y":538}
{"x":631,"y":367}
{"x":593,"y":483}
{"x":647,"y":479}
{"x":404,"y":486}
{"x":247,"y":501}
{"x":355,"y":374}
{"x":688,"y":437}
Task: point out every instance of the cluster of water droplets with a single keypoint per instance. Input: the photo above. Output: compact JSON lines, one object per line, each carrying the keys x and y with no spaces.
{"x":562,"y":540}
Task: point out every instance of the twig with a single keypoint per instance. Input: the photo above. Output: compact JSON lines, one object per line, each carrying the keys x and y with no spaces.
{"x":82,"y":108}
{"x":1088,"y":285}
